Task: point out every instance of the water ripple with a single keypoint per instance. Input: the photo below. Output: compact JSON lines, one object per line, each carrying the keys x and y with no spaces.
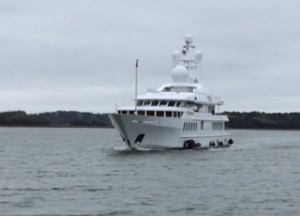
{"x":76,"y":172}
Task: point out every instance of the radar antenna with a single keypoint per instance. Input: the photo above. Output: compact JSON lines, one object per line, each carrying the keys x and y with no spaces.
{"x":189,"y":57}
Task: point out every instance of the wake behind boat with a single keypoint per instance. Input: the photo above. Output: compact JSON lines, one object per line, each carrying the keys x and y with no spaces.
{"x":178,"y":115}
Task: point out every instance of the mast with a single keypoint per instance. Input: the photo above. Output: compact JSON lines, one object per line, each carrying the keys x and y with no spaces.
{"x":136,"y":85}
{"x":189,"y":57}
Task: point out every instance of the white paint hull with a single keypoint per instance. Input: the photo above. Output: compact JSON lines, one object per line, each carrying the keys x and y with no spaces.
{"x":163,"y":133}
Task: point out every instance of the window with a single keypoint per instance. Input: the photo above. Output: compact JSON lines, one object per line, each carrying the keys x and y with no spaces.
{"x":171,"y":103}
{"x":141,"y":112}
{"x":163,"y":103}
{"x":150,"y":113}
{"x":131,"y":112}
{"x":178,"y":103}
{"x":146,"y":103}
{"x":154,"y":103}
{"x":168,"y":114}
{"x":160,"y":114}
{"x":190,"y":126}
{"x":167,"y":89}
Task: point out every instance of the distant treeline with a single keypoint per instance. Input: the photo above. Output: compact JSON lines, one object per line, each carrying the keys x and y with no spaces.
{"x":54,"y":119}
{"x":238,"y":120}
{"x":261,"y":120}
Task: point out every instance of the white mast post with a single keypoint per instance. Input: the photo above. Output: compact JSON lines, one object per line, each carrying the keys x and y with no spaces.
{"x":136,"y":84}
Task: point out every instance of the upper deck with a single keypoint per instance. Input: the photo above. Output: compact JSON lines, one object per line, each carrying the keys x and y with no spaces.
{"x":195,"y":93}
{"x":184,"y":94}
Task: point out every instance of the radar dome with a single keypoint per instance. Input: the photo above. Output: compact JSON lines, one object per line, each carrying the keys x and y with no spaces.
{"x":180,"y":74}
{"x":189,"y":38}
{"x":176,"y":55}
{"x":198,"y":55}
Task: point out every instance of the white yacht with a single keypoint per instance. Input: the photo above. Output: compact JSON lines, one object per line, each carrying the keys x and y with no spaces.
{"x":181,"y":114}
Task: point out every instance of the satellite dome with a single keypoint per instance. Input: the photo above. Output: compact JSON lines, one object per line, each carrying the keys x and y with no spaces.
{"x":180,"y":74}
{"x":189,"y":38}
{"x":198,"y":55}
{"x":176,"y":55}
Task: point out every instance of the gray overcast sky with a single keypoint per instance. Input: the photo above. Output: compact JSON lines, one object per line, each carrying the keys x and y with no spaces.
{"x":80,"y":55}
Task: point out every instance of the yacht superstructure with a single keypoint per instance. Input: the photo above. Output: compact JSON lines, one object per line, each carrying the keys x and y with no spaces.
{"x":178,"y":115}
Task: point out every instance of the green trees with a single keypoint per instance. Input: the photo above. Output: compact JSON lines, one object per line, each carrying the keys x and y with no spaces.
{"x":16,"y":118}
{"x":59,"y":118}
{"x":261,"y":120}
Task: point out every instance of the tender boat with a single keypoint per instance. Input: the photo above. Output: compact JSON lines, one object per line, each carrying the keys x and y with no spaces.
{"x":181,"y":114}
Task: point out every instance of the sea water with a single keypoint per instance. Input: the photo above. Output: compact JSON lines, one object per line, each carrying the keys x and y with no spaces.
{"x":73,"y":171}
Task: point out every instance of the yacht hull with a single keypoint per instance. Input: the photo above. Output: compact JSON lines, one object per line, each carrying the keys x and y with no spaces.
{"x":164,"y":133}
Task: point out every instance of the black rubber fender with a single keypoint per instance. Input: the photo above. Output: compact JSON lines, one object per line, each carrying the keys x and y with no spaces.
{"x":212,"y":144}
{"x":189,"y":144}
